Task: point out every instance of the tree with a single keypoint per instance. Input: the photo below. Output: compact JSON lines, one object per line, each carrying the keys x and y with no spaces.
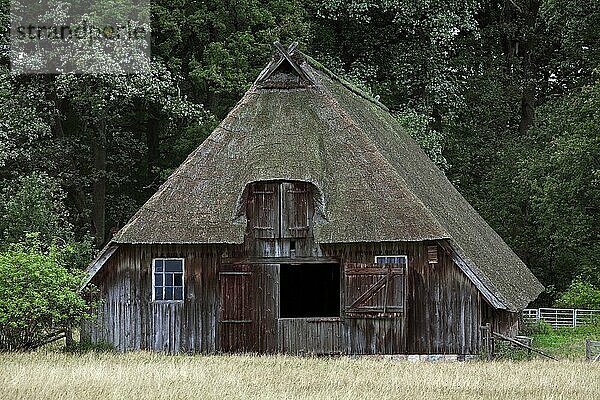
{"x":580,"y":294}
{"x":39,"y":297}
{"x":561,"y":171}
{"x":116,"y":122}
{"x":35,"y":204}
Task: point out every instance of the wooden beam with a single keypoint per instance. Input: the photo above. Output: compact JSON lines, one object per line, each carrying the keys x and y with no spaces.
{"x":287,"y":56}
{"x":281,"y":260}
{"x":513,"y":341}
{"x":98,"y":263}
{"x":273,"y":65}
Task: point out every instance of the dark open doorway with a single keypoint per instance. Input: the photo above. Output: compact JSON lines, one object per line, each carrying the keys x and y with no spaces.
{"x":309,"y":290}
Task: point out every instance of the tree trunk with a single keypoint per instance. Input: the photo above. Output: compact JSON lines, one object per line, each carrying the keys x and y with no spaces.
{"x":152,"y":143}
{"x":528,"y":102}
{"x":99,"y":185}
{"x":527,"y":107}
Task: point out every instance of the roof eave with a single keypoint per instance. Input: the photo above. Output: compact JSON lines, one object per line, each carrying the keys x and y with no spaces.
{"x":96,"y":265}
{"x":487,"y":293}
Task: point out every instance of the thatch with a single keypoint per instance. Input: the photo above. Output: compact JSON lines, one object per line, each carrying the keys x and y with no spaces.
{"x":376,"y":183}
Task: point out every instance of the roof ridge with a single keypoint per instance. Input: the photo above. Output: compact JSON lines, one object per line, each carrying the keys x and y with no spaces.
{"x":349,"y":85}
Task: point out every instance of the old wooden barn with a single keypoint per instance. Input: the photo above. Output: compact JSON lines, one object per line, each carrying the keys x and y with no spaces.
{"x":307,"y":222}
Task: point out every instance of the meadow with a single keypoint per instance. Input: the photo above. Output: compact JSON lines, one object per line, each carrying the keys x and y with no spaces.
{"x":142,"y":375}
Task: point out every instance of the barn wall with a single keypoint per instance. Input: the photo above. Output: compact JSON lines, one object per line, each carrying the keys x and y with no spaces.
{"x":129,"y":320}
{"x":443,"y":308}
{"x":442,"y":315}
{"x":501,"y":321}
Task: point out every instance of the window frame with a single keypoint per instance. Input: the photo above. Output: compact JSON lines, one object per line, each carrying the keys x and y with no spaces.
{"x":154,"y":299}
{"x":404,"y":256}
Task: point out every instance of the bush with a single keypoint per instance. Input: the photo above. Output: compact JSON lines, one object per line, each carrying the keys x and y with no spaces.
{"x":536,"y":328}
{"x":580,"y":294}
{"x":39,"y":297}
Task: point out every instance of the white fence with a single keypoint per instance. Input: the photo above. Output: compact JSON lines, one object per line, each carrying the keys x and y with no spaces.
{"x":560,"y":316}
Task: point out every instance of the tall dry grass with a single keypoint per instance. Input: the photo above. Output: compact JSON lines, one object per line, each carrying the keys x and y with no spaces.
{"x":149,"y":376}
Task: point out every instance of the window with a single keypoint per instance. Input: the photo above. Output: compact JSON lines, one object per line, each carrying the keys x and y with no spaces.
{"x":167,"y":279}
{"x":402,"y":260}
{"x":309,"y":290}
{"x":375,"y":288}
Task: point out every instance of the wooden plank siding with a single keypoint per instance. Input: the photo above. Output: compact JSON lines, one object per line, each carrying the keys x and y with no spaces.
{"x":130,"y":320}
{"x":443,"y":308}
{"x":441,"y":313}
{"x":318,"y":336}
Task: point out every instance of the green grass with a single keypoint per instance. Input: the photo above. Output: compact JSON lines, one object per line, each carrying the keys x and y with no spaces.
{"x":141,"y":375}
{"x":567,"y":342}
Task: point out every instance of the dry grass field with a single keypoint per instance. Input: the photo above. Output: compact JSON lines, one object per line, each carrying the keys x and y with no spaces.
{"x":55,"y":375}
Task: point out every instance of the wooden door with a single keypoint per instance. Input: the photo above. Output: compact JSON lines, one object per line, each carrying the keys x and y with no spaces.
{"x":236,"y":311}
{"x":374,"y":302}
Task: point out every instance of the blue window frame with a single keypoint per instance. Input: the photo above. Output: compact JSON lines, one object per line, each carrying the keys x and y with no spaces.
{"x":167,"y":279}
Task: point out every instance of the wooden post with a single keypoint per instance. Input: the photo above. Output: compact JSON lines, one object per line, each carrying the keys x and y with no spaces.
{"x":69,"y":336}
{"x":491,"y":341}
{"x":592,"y":350}
{"x":488,"y":343}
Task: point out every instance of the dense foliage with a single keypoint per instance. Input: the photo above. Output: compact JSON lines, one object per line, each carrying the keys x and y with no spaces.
{"x":39,"y":297}
{"x":580,"y":294}
{"x":503,"y":95}
{"x":41,"y":263}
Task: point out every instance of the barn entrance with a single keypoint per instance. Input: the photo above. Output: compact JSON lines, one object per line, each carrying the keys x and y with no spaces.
{"x":309,"y":309}
{"x":309,"y":290}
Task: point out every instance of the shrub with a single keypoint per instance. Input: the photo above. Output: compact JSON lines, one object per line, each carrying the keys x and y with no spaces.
{"x":39,"y":297}
{"x":536,"y":328}
{"x":580,"y":294}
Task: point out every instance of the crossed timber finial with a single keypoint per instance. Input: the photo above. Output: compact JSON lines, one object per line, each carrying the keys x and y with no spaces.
{"x":284,"y":54}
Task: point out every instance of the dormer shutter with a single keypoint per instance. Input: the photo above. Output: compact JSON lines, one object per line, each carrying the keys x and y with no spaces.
{"x":295,"y":210}
{"x":263,"y":210}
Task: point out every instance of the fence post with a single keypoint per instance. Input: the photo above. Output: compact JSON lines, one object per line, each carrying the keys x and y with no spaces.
{"x":588,"y":349}
{"x":574,"y":317}
{"x":487,"y":341}
{"x":490,"y":341}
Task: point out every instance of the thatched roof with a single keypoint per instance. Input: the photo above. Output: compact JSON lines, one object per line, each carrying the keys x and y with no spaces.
{"x":376,"y":183}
